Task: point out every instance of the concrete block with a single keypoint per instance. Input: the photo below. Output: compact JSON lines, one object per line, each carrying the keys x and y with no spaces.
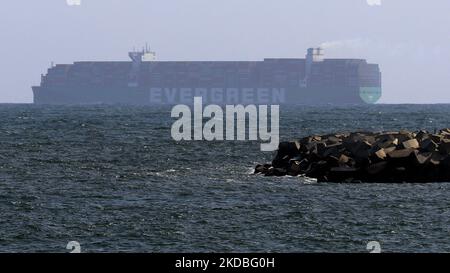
{"x":411,"y":144}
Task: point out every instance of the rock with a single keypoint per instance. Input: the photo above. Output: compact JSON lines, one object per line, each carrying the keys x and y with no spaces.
{"x":404,"y":136}
{"x":390,"y":149}
{"x":280,"y":162}
{"x":380,"y":154}
{"x":359,"y":149}
{"x":386,"y":143}
{"x":276,"y":172}
{"x":343,"y":159}
{"x":334,"y":139}
{"x":332,"y":160}
{"x":316,"y":148}
{"x":422,"y":135}
{"x":366,"y":157}
{"x":444,"y":146}
{"x":310,"y":147}
{"x":259,"y":169}
{"x":436,"y":158}
{"x":333,"y":150}
{"x":436,"y":138}
{"x":262,"y":168}
{"x":422,"y":158}
{"x":294,"y":169}
{"x":343,"y":169}
{"x":411,"y":144}
{"x":340,"y":174}
{"x":369,"y":139}
{"x":377,"y":168}
{"x":400,"y":169}
{"x":288,"y":148}
{"x":445,"y":132}
{"x":403,"y":153}
{"x":298,"y":167}
{"x":428,"y":145}
{"x":445,"y":169}
{"x":321,"y":148}
{"x":317,"y":169}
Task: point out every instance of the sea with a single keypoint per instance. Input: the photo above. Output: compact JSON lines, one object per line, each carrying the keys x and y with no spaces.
{"x":112,"y":179}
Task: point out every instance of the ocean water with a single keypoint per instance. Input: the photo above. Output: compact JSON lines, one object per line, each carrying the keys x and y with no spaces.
{"x":112,"y":179}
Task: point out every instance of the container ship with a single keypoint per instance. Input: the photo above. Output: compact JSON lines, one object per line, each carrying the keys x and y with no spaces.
{"x":145,"y":81}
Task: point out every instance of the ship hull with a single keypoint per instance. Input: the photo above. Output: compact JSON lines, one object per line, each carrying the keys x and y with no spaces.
{"x":173,"y":96}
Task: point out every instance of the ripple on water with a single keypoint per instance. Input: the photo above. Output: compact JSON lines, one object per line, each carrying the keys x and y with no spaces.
{"x":111,"y":178}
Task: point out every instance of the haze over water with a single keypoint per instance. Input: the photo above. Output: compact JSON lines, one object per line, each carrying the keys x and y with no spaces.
{"x":408,"y":38}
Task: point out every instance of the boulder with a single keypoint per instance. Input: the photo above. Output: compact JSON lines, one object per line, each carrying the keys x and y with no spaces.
{"x":377,"y":168}
{"x":436,"y":138}
{"x":345,"y":169}
{"x":343,"y":159}
{"x":366,"y":157}
{"x":445,"y":133}
{"x":276,"y":172}
{"x":436,"y":158}
{"x":380,"y":154}
{"x":321,"y":148}
{"x":386,"y":143}
{"x":428,"y":145}
{"x":340,"y":174}
{"x":359,"y":149}
{"x":403,"y":153}
{"x":404,"y":136}
{"x":411,"y":144}
{"x":317,"y":169}
{"x":332,"y":140}
{"x":444,"y":146}
{"x":298,"y":145}
{"x":422,"y":135}
{"x":262,"y":168}
{"x":389,"y":149}
{"x":333,"y":150}
{"x":422,"y":158}
{"x":288,"y":148}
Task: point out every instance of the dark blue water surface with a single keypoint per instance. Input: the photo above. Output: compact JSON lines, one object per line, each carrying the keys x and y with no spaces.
{"x":111,"y":178}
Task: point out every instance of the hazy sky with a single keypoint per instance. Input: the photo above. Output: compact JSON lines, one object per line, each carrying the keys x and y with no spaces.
{"x":410,"y":39}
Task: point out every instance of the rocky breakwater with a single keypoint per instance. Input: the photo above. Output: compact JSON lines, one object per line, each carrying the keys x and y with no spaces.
{"x":384,"y":157}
